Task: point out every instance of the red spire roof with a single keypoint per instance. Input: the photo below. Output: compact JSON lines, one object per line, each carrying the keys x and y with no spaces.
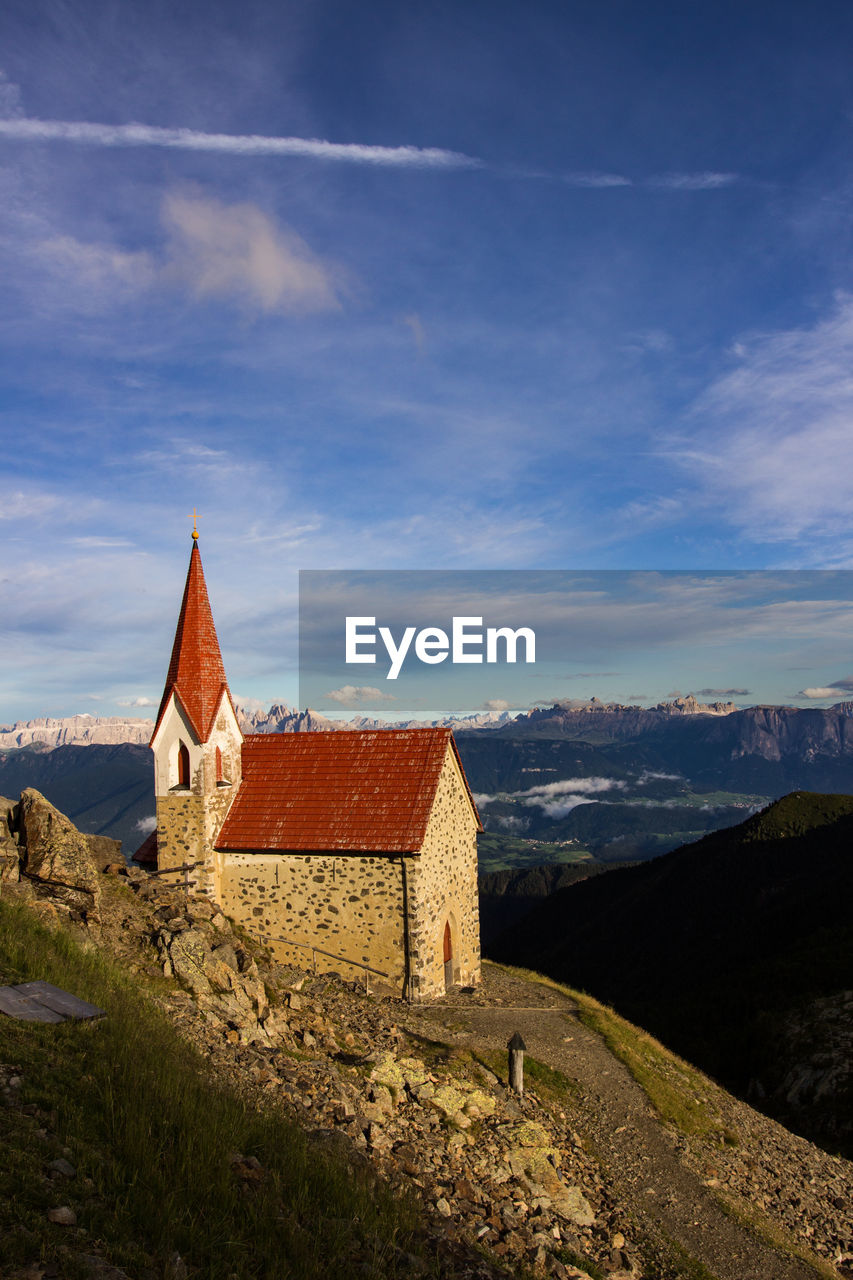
{"x":353,"y":790}
{"x":196,"y":672}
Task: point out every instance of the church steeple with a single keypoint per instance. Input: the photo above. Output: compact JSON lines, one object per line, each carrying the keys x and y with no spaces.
{"x":197,"y":743}
{"x":196,"y":672}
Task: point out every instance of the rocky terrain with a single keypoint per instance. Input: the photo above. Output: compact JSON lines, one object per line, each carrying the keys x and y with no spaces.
{"x":579,"y":1177}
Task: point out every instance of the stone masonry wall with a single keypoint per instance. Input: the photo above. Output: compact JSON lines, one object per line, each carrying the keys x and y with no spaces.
{"x":443,"y":887}
{"x":350,"y":905}
{"x":189,"y":818}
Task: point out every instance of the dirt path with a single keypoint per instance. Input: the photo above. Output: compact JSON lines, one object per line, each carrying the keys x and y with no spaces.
{"x":642,"y":1156}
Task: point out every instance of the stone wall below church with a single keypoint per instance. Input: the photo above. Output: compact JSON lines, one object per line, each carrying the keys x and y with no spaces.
{"x":305,"y":905}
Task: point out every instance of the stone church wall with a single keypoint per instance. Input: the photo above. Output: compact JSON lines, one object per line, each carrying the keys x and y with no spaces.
{"x":350,"y":905}
{"x":443,"y":888}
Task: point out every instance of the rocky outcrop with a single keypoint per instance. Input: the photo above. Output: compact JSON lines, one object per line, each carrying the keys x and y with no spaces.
{"x":10,"y":854}
{"x":43,"y":849}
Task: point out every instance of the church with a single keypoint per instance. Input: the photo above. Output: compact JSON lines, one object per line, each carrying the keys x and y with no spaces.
{"x":352,"y":851}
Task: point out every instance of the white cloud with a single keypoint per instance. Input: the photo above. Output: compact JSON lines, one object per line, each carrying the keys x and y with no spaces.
{"x":770,"y":442}
{"x":495,"y":705}
{"x":140,"y":701}
{"x":350,"y":695}
{"x":98,"y":543}
{"x":596,"y":180}
{"x":142,"y":135}
{"x":239,"y":251}
{"x":556,"y":799}
{"x":10,"y":98}
{"x":821,"y":693}
{"x":28,"y":506}
{"x":583,"y":786}
{"x":558,"y":806}
{"x":146,"y":825}
{"x":250,"y":704}
{"x":95,"y":269}
{"x":705,"y":181}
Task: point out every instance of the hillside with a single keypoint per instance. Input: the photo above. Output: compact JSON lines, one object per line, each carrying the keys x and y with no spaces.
{"x":736,"y":950}
{"x":106,"y":789}
{"x":619,"y":1161}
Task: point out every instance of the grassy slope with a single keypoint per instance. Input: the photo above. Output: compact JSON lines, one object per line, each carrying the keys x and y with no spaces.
{"x":150,"y":1134}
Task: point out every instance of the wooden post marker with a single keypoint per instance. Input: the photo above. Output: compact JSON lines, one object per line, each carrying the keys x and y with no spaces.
{"x":516,"y":1048}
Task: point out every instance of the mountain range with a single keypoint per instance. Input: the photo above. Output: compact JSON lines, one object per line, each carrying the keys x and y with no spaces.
{"x":592,"y":782}
{"x":86,"y":730}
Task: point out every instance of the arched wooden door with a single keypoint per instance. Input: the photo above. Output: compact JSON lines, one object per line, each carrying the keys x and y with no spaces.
{"x":448,"y":958}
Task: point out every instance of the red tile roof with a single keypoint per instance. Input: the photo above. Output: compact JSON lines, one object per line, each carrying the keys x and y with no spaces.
{"x":196,"y":672}
{"x":347,"y":790}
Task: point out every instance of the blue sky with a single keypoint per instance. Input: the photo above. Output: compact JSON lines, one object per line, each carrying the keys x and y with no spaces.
{"x":481,"y":285}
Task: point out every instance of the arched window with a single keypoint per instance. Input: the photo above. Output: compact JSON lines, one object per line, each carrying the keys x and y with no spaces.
{"x":218,"y":765}
{"x":183,"y":765}
{"x":448,"y":957}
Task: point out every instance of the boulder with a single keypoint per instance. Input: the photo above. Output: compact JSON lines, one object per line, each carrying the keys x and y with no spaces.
{"x":56,"y":856}
{"x":10,"y":857}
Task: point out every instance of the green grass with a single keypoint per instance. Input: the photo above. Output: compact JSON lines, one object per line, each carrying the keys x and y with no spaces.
{"x":150,"y":1133}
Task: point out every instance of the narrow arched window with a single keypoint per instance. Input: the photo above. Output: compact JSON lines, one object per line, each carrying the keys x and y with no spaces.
{"x":183,"y":765}
{"x":218,"y":765}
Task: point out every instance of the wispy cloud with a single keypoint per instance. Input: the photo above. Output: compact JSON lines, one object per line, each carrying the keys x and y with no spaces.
{"x":818,"y":693}
{"x":97,"y":542}
{"x":723,"y":693}
{"x":556,"y":799}
{"x":705,"y":181}
{"x":16,"y":126}
{"x":239,"y":251}
{"x":350,"y":695}
{"x":94,"y":268}
{"x":600,"y":181}
{"x":769,"y":442}
{"x":86,"y":134}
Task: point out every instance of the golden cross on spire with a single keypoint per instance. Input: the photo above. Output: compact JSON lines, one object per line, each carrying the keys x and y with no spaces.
{"x":194,"y":517}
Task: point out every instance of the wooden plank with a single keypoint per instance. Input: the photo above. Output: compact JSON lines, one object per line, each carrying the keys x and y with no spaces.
{"x":61,"y":1002}
{"x":25,"y":1008}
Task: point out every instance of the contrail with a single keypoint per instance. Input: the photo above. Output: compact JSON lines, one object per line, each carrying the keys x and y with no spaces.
{"x":85,"y":134}
{"x":144,"y":135}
